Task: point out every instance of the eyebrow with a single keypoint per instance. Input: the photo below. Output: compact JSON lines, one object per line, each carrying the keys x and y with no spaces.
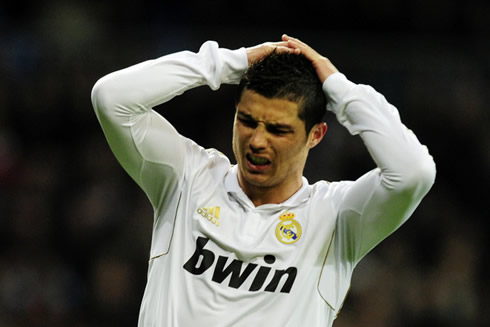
{"x":284,"y":127}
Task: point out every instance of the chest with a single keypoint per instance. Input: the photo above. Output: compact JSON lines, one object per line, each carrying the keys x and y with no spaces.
{"x":290,"y":235}
{"x":221,"y":243}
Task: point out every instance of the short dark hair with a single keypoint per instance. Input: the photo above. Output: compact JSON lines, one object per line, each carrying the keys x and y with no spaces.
{"x":287,"y":76}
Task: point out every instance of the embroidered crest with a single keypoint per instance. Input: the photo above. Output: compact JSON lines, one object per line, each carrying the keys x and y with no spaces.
{"x":288,"y":231}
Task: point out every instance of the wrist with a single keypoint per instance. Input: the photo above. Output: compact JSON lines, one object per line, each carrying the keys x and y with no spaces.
{"x":324,"y":69}
{"x":251,"y":54}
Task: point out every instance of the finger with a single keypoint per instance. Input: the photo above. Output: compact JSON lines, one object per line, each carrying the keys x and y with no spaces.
{"x":298,"y":47}
{"x":295,"y":47}
{"x":287,"y":38}
{"x":292,"y":42}
{"x":297,"y":43}
{"x":280,"y":43}
{"x":303,"y":48}
{"x":283,"y":49}
{"x":285,"y":46}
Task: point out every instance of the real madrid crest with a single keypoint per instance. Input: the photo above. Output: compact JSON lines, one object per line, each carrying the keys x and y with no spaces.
{"x":288,"y":231}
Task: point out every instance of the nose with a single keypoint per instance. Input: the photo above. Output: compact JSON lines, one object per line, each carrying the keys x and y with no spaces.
{"x":258,"y":139}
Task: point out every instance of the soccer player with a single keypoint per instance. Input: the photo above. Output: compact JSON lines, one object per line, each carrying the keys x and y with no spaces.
{"x":254,"y":244}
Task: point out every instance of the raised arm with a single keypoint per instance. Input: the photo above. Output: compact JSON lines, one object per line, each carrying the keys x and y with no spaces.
{"x":146,"y":145}
{"x":380,"y":201}
{"x":376,"y":204}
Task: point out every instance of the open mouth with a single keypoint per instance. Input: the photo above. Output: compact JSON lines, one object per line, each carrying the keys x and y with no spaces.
{"x":256,"y":162}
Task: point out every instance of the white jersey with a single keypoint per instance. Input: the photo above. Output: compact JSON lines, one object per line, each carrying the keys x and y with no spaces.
{"x":216,"y":259}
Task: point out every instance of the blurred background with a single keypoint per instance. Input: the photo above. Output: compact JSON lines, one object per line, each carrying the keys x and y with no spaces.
{"x":75,"y":230}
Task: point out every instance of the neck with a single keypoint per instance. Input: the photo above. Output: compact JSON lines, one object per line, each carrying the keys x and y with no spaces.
{"x":260,"y":195}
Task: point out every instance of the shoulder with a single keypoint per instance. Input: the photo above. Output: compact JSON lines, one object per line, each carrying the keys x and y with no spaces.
{"x":202,"y":160}
{"x":324,"y":188}
{"x":325,"y":193}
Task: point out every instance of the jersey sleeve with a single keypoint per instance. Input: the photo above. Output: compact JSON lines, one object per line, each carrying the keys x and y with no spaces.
{"x":146,"y":144}
{"x":376,"y":204}
{"x":379,"y":202}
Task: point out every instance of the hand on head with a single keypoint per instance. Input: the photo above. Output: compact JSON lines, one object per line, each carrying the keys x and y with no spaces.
{"x":323,"y":66}
{"x":260,"y":51}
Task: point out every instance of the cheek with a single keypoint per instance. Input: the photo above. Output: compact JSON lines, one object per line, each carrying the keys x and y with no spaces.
{"x":237,"y":142}
{"x":240,"y":135}
{"x":293,"y":156}
{"x":234,"y":143}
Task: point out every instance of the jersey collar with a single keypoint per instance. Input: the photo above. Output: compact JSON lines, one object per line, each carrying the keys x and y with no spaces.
{"x":234,"y":189}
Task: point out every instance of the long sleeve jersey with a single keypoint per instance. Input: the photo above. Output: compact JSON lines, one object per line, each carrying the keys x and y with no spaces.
{"x":215,"y":258}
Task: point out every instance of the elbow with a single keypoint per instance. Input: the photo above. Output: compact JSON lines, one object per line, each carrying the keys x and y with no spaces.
{"x":101,"y":95}
{"x":420,"y":177}
{"x":416,"y":178}
{"x":425,"y":175}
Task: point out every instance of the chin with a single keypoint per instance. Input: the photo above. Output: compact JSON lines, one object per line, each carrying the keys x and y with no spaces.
{"x":257,"y":180}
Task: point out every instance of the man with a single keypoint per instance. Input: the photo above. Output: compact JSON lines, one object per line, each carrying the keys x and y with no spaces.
{"x":254,"y":244}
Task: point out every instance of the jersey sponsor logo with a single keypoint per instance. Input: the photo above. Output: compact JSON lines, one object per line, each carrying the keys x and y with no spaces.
{"x":288,"y":230}
{"x":203,"y":259}
{"x":211,"y":214}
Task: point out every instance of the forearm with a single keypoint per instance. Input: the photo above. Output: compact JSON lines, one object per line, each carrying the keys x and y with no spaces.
{"x":154,"y":82}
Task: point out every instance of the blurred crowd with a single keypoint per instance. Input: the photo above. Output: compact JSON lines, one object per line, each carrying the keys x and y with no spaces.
{"x":75,"y":230}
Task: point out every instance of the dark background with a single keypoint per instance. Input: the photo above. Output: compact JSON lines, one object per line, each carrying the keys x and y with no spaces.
{"x":75,"y":230}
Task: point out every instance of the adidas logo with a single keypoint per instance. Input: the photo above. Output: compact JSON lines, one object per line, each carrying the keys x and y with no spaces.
{"x":210,"y":213}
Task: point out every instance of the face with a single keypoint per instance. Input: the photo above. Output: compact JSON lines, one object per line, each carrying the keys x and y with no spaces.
{"x":270,"y":143}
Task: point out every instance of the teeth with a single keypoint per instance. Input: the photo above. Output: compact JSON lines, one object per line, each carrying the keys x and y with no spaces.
{"x":257,"y":160}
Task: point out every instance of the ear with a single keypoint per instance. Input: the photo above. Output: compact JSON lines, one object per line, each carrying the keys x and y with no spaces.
{"x":316,"y":134}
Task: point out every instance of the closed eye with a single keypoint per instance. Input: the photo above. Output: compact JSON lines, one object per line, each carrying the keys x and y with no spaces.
{"x":247,"y":122}
{"x":278,"y":130}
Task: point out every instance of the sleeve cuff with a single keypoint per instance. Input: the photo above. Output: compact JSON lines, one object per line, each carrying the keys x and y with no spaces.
{"x":336,"y":86}
{"x":236,"y":64}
